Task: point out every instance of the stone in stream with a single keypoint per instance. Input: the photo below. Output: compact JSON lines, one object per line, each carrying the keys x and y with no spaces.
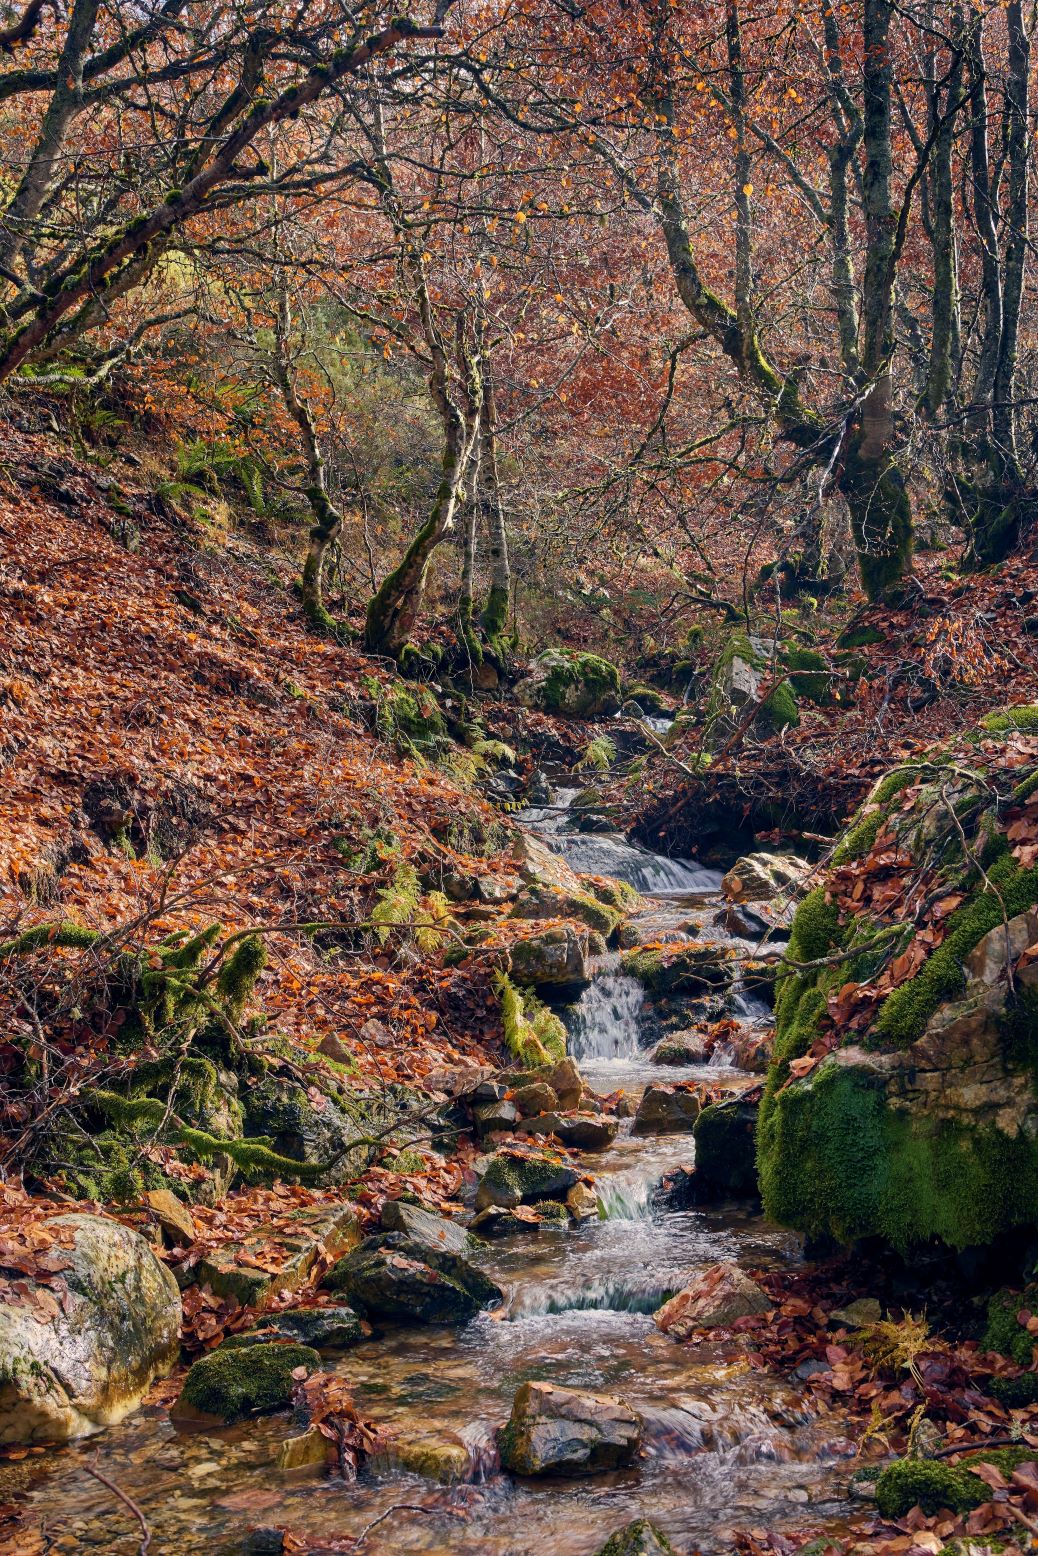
{"x":666,"y":1110}
{"x":424,"y":1228}
{"x":714,"y":1300}
{"x":440,"y":1456}
{"x":638,"y":1539}
{"x":332,"y":1328}
{"x":578,"y":1131}
{"x":536,"y":1097}
{"x":563,"y":1078}
{"x":555,"y":959}
{"x":392,"y":1278}
{"x":495,"y":1118}
{"x":71,"y":1367}
{"x":582,"y":1202}
{"x":561,"y":1431}
{"x":514,"y":1178}
{"x":681,"y":969}
{"x":690,"y":1047}
{"x":237,"y":1381}
{"x":759,"y":877}
{"x":726,"y":1156}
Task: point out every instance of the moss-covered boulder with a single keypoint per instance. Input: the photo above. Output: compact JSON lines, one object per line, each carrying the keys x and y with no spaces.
{"x":901,"y":1102}
{"x":236,"y":1381}
{"x":570,"y":684}
{"x":936,"y":1486}
{"x":522,"y":1178}
{"x":726,"y":1164}
{"x":746,"y":677}
{"x":331,"y":1328}
{"x":670,"y":970}
{"x":557,"y":958}
{"x":542,"y":900}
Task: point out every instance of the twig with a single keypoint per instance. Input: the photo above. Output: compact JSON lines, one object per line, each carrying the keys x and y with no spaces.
{"x":128,"y":1502}
{"x":401,"y":1507}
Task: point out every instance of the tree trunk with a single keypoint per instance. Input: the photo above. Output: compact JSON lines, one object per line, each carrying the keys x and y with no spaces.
{"x":881,"y":515}
{"x":495,"y":611}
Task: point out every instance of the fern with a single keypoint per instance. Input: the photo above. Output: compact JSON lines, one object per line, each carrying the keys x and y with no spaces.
{"x":397,"y":903}
{"x":599,"y":753}
{"x":495,"y":751}
{"x":435,"y":922}
{"x":533,"y":1034}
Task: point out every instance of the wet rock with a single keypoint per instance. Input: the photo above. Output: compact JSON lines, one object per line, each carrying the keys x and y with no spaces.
{"x":514,"y":1178}
{"x":557,"y":958}
{"x":86,"y":1364}
{"x":535,"y":861}
{"x":638,"y":1539}
{"x":759,"y":877}
{"x":536,"y":1098}
{"x":717,"y":1298}
{"x":676,"y":1190}
{"x":495,"y":1221}
{"x":309,"y":1449}
{"x":726,"y":1159}
{"x":236,"y":1381}
{"x":682,"y":969}
{"x":424,"y":1228}
{"x":440,"y":1456}
{"x":582,"y":1202}
{"x":576,"y":1131}
{"x":333,"y":1328}
{"x":173,"y":1217}
{"x":390,"y":1277}
{"x":560,"y":1431}
{"x":238,"y":1268}
{"x":264,"y":1541}
{"x":495,"y":1117}
{"x":666,"y":1110}
{"x":689,"y":1047}
{"x":862,"y":1311}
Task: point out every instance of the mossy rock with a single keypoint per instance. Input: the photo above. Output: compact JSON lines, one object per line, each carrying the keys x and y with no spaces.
{"x":237,"y":1381}
{"x":934,"y":1485}
{"x":571,"y":684}
{"x":334,"y":1328}
{"x":667,"y":971}
{"x":512,"y":1179}
{"x":923,"y":1125}
{"x":638,"y":1539}
{"x":1004,"y":1332}
{"x":647,"y":700}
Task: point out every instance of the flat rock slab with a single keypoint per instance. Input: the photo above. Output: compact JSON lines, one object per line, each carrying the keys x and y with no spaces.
{"x":580,"y":1131}
{"x":560,"y":1431}
{"x":275,"y":1258}
{"x":424,"y":1228}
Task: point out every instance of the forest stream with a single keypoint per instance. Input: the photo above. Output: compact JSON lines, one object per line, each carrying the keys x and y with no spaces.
{"x":726,"y":1446}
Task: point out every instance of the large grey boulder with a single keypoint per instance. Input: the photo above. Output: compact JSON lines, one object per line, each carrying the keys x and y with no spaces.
{"x":760,"y":877}
{"x":69,"y":1367}
{"x":560,"y":1431}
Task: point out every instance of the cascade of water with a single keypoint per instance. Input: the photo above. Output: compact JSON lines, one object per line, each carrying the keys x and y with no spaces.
{"x":605,"y":1022}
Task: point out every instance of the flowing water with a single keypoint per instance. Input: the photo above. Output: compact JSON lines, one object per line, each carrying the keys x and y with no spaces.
{"x":726,"y":1446}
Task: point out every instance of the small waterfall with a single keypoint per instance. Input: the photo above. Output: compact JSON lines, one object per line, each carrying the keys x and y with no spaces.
{"x":605,"y":1022}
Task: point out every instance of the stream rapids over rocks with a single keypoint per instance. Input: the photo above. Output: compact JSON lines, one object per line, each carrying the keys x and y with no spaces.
{"x":726,"y":1446}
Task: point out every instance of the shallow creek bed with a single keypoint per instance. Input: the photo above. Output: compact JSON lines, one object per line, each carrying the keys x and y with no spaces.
{"x":726,"y":1446}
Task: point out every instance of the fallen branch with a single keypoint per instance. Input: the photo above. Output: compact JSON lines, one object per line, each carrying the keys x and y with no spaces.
{"x":127,"y":1502}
